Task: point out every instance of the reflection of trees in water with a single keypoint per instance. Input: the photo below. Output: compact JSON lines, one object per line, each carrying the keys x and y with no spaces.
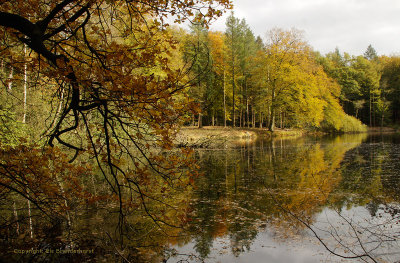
{"x":94,"y":224}
{"x":374,"y":170}
{"x":370,"y":176}
{"x":233,"y":195}
{"x":240,"y":189}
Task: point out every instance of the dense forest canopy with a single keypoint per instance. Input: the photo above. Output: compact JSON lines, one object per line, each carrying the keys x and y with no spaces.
{"x":93,"y":93}
{"x":278,"y":80}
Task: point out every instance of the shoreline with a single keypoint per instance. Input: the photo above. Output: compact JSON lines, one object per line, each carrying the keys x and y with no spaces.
{"x":219,"y":136}
{"x":382,"y":130}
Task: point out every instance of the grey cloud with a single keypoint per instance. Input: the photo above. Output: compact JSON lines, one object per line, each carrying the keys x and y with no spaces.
{"x":350,"y":25}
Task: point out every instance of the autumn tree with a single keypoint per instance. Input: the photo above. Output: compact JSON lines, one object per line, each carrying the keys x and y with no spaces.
{"x":218,"y":55}
{"x":113,"y":99}
{"x":284,"y":51}
{"x":294,"y":87}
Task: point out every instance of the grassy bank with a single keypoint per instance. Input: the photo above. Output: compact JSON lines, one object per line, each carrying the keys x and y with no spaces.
{"x":217,"y":136}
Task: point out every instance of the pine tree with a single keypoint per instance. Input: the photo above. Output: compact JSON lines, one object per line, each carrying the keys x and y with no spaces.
{"x":233,"y":42}
{"x":370,"y":54}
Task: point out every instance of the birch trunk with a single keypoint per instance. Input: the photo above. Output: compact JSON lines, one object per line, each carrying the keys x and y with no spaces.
{"x":25,"y":86}
{"x":10,"y":76}
{"x":16,"y":217}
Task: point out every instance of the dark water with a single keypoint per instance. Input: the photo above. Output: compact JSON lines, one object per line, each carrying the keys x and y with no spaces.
{"x":301,"y":200}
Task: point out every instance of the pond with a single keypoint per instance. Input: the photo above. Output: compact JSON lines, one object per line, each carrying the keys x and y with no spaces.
{"x":330,"y":199}
{"x":311,"y":199}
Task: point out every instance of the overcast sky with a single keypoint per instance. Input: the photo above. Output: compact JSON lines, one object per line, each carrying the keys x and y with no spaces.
{"x":350,"y":25}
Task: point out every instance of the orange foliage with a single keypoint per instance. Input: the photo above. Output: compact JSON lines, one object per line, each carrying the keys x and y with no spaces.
{"x":107,"y":65}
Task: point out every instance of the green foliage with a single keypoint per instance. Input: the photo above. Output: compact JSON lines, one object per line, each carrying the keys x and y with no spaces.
{"x":390,"y":86}
{"x":335,"y":120}
{"x":370,"y":53}
{"x":352,"y":124}
{"x":11,"y":130}
{"x":361,"y":94}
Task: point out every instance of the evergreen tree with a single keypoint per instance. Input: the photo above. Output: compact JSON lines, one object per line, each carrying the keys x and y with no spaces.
{"x":232,"y":36}
{"x":196,"y":53}
{"x":370,"y":53}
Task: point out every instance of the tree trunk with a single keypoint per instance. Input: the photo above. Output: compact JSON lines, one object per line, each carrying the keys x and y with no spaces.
{"x":200,"y":121}
{"x":30,"y":219}
{"x":25,"y":86}
{"x":373,"y":112}
{"x":247,"y":103}
{"x":65,"y":201}
{"x":16,"y":217}
{"x":254,"y":118}
{"x":58,"y":110}
{"x":251,"y":110}
{"x":233,"y":86}
{"x":370,"y":109}
{"x":247,"y":113}
{"x":224,"y":102}
{"x":271,"y":125}
{"x":241,"y":108}
{"x":240,"y":116}
{"x":10,"y":77}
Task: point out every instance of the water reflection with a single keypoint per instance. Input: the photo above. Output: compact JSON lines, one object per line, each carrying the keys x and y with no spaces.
{"x":257,"y":200}
{"x":254,"y":203}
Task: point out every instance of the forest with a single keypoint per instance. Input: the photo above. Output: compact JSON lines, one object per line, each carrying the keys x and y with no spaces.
{"x":94,"y":92}
{"x":280,"y":81}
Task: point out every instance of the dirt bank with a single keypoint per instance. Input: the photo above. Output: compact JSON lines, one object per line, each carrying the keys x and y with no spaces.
{"x":216,"y":136}
{"x":382,"y":130}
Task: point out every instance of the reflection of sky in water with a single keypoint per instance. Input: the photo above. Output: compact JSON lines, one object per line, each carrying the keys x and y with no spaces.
{"x":358,"y":223}
{"x":264,"y":249}
{"x":305,"y":248}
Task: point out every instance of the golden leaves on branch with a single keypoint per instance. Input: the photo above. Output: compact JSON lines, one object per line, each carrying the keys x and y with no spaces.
{"x":121,"y":100}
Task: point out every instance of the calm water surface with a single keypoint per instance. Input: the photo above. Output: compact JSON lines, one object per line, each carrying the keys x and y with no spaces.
{"x":276,"y":201}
